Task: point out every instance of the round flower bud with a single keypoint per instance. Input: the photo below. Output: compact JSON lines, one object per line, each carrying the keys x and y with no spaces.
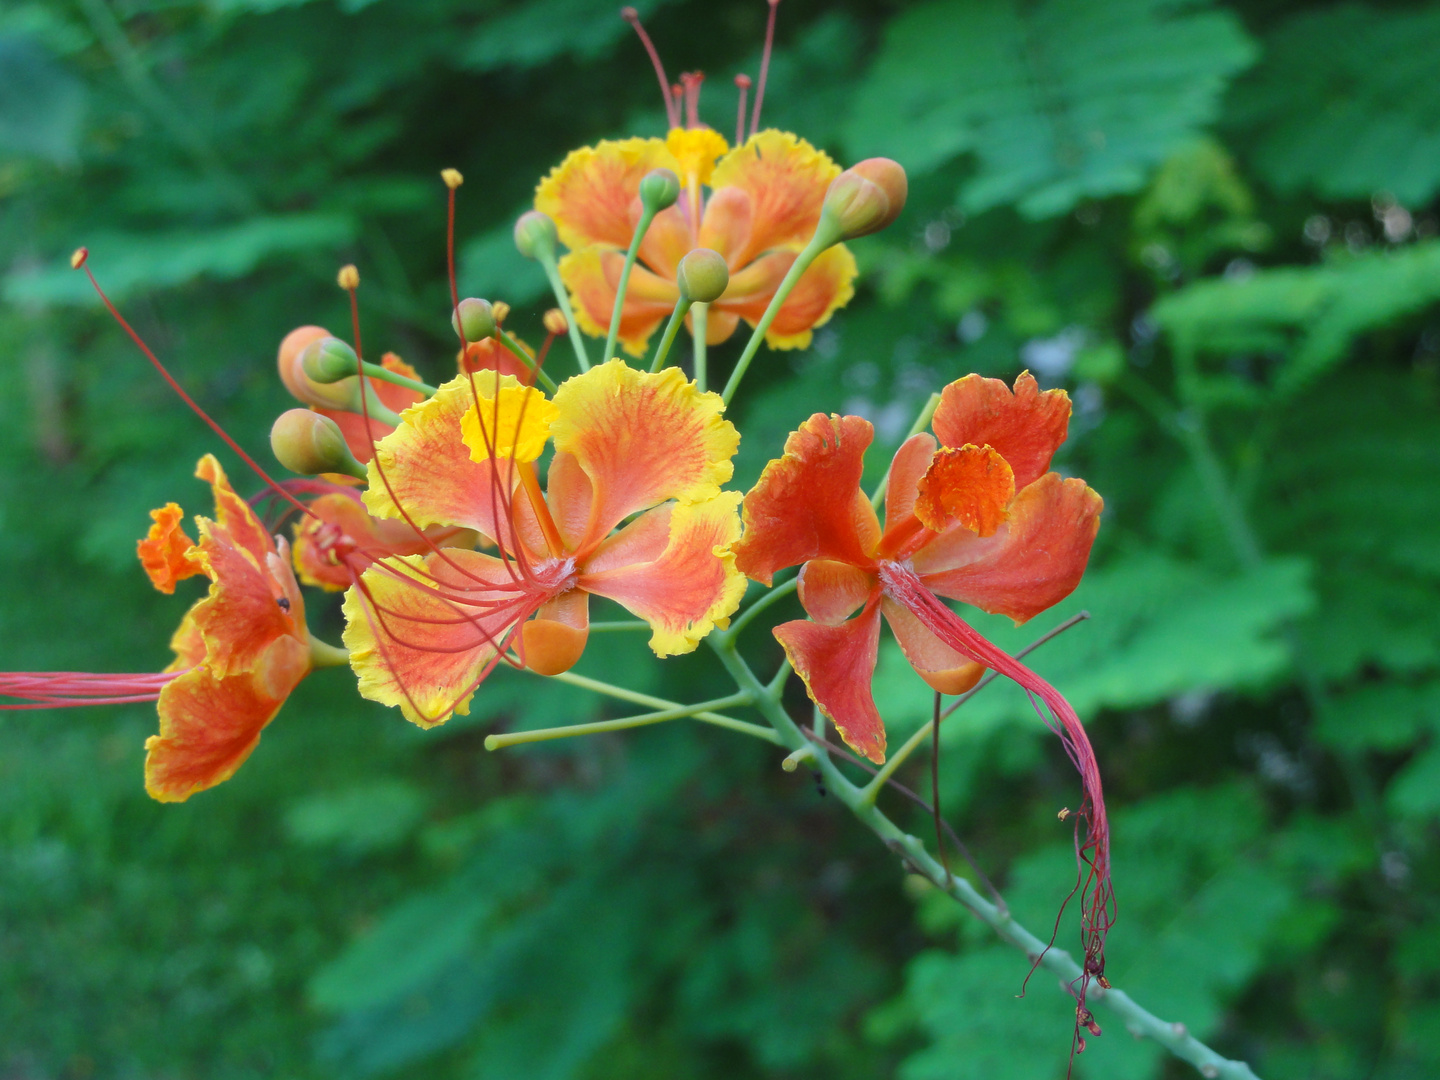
{"x":307,"y":443}
{"x":475,"y":317}
{"x":659,"y":189}
{"x":291,"y":361}
{"x":554,"y":320}
{"x":329,"y":360}
{"x":865,"y":198}
{"x":703,"y":276}
{"x":535,"y":235}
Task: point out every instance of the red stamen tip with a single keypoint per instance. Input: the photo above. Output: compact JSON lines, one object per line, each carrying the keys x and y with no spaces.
{"x":630,"y":15}
{"x":452,"y":178}
{"x":742,"y":81}
{"x":77,"y":260}
{"x":348,"y":278}
{"x":672,"y":108}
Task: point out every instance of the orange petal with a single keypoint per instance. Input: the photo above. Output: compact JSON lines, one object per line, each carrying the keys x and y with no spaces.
{"x":685,"y":590}
{"x":786,"y":179}
{"x":248,"y":608}
{"x":425,"y":467}
{"x":589,"y":194}
{"x":969,"y":486}
{"x":165,"y":550}
{"x":1032,"y":561}
{"x":428,"y":630}
{"x":1026,"y":427}
{"x":669,"y":239}
{"x":832,"y":591}
{"x":236,"y":521}
{"x":941,"y":667}
{"x":642,"y":439}
{"x":593,"y":277}
{"x":491,"y":355}
{"x":808,"y":503}
{"x":396,"y":398}
{"x":209,"y":724}
{"x":552,"y":642}
{"x":910,"y":463}
{"x":726,"y":225}
{"x":838,"y":665}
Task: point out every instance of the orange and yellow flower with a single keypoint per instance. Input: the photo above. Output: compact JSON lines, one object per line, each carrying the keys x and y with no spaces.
{"x":239,"y":652}
{"x":762,"y":208}
{"x":977,"y":518}
{"x":424,"y":630}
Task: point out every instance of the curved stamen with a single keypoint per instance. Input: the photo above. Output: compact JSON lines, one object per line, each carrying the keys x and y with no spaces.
{"x":764,"y":66}
{"x":672,"y":109}
{"x":65,"y":689}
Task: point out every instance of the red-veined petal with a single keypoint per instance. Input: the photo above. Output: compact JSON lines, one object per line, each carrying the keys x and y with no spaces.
{"x":832,"y":591}
{"x":837,"y":664}
{"x":589,"y":194}
{"x":593,"y":277}
{"x":968,"y":486}
{"x":786,"y":179}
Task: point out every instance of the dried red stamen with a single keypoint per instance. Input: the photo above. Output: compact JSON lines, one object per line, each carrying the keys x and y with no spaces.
{"x":764,"y":66}
{"x":672,"y":108}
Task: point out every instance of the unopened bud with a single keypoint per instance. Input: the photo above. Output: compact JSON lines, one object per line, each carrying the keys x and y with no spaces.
{"x":291,"y":362}
{"x":502,"y":311}
{"x":307,"y":443}
{"x":452,"y":178}
{"x":702,"y":276}
{"x":329,"y":360}
{"x":865,"y":198}
{"x":535,"y":235}
{"x":475,"y":317}
{"x":348,"y":278}
{"x":659,"y":189}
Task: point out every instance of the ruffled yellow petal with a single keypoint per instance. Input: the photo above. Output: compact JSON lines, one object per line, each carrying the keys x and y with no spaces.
{"x":512,"y":424}
{"x":786,"y":179}
{"x":642,"y":439}
{"x":695,"y":150}
{"x":591,"y":194}
{"x":687,"y":588}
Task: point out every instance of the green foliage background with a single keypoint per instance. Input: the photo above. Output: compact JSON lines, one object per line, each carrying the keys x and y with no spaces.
{"x":1214,"y":223}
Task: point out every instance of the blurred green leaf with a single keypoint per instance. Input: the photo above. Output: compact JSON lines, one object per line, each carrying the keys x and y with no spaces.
{"x":42,"y":106}
{"x":1059,"y":101}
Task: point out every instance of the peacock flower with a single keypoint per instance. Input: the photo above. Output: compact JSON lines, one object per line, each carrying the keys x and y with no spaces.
{"x":239,"y":652}
{"x":757,"y":205}
{"x":977,"y":517}
{"x":424,"y":630}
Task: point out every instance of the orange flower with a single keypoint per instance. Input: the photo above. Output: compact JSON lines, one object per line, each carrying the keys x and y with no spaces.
{"x":424,"y":630}
{"x":763,"y":205}
{"x":977,"y":518}
{"x":239,"y":652}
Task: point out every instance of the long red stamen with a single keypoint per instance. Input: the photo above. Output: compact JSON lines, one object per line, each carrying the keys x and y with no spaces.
{"x":1092,"y":851}
{"x":672,"y":110}
{"x":764,"y":66}
{"x":691,"y":81}
{"x":64,"y":689}
{"x":80,"y":260}
{"x":743,"y":82}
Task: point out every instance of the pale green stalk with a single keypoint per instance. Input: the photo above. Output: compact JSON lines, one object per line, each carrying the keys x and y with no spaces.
{"x":668,"y":338}
{"x":702,"y":313}
{"x":547,"y":262}
{"x":384,"y":374}
{"x":515,"y":738}
{"x":647,"y":215}
{"x":799,"y":266}
{"x":618,"y":625}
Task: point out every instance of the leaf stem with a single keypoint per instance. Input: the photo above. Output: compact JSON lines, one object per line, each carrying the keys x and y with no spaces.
{"x":384,"y":374}
{"x":668,"y":338}
{"x":562,"y":298}
{"x":637,"y":698}
{"x":647,"y":215}
{"x":515,"y":738}
{"x":524,"y":357}
{"x":702,"y":312}
{"x":802,"y":263}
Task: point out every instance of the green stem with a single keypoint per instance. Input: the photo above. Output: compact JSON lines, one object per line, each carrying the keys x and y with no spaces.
{"x":666,"y":339}
{"x":562,"y":298}
{"x":779,"y":592}
{"x":618,"y":625}
{"x":323,"y":654}
{"x":921,"y":423}
{"x":384,"y":374}
{"x":1141,"y":1023}
{"x":521,"y":355}
{"x":515,"y":738}
{"x":799,"y":266}
{"x":647,"y":215}
{"x":637,"y":698}
{"x":702,"y":312}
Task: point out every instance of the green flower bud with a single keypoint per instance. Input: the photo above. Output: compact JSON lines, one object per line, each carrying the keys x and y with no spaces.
{"x":344,"y":394}
{"x":864,"y":198}
{"x":475,"y":317}
{"x":703,"y":276}
{"x":307,"y":443}
{"x":535,"y":235}
{"x":659,"y":189}
{"x":329,"y":360}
